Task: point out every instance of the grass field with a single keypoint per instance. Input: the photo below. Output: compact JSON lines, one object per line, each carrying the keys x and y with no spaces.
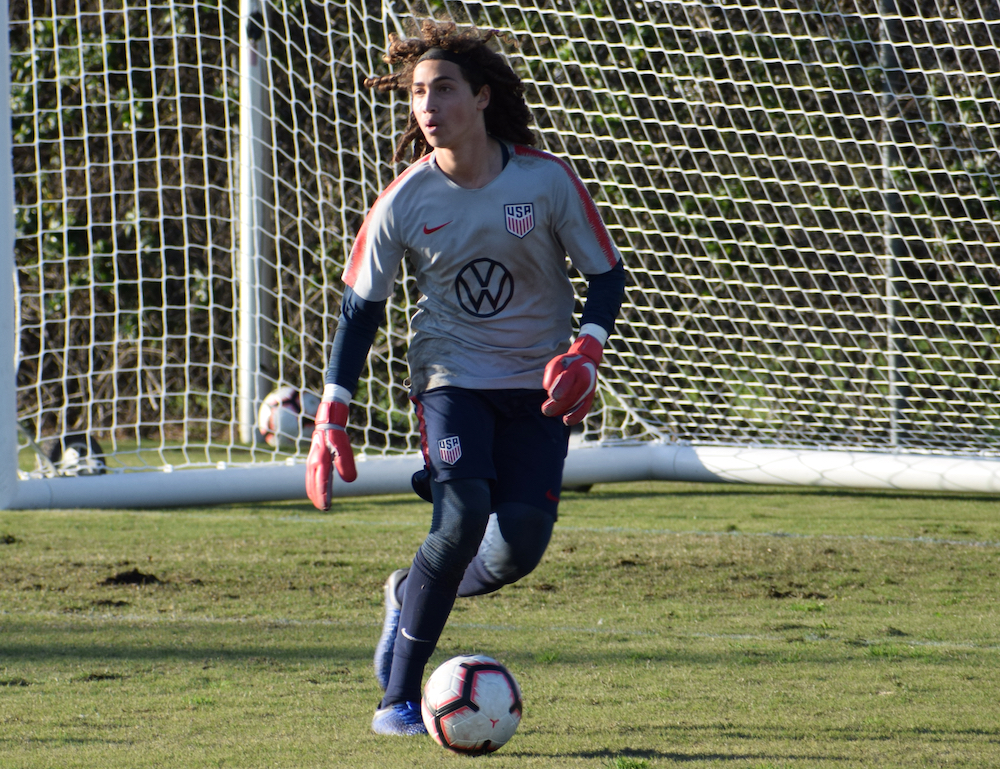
{"x":669,"y":625}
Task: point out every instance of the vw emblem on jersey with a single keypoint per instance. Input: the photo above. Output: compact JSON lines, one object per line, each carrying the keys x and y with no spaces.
{"x":450,"y":449}
{"x":520,"y":218}
{"x":484,"y":287}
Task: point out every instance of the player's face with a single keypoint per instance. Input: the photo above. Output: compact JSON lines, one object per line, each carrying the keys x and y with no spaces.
{"x":447,"y":111}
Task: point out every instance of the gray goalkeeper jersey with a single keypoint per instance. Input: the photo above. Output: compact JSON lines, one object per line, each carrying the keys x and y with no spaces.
{"x":490,"y":264}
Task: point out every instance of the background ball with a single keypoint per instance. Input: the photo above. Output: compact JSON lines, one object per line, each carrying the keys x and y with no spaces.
{"x":281,"y":418}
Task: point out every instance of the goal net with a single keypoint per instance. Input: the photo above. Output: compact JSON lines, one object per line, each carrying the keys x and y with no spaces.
{"x":805,"y":195}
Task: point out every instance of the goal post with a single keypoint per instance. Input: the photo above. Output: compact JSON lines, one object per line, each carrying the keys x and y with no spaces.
{"x":8,"y":305}
{"x":255,"y":271}
{"x":806,"y":199}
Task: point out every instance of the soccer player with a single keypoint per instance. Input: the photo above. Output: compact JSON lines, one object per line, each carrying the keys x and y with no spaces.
{"x":487,"y":222}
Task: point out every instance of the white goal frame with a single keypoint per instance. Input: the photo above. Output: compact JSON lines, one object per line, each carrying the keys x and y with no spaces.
{"x":9,"y":482}
{"x":876,"y":258}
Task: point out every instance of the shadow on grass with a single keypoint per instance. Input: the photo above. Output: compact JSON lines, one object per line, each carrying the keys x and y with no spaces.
{"x":664,"y":488}
{"x":262,"y":654}
{"x":64,"y":741}
{"x":609,"y":492}
{"x":303,"y":507}
{"x":228,"y":642}
{"x":678,"y":757}
{"x":712,"y":734}
{"x":262,"y":645}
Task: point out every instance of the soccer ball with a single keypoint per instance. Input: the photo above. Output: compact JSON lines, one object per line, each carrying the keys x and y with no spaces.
{"x":471,"y":705}
{"x":75,"y":455}
{"x":280,"y":417}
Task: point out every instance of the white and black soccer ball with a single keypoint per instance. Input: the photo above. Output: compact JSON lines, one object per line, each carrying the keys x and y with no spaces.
{"x":285,"y":416}
{"x":471,"y":705}
{"x":76,"y":455}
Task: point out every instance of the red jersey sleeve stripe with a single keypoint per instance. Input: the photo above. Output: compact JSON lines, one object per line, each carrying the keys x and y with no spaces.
{"x":354,"y":260}
{"x":590,"y":208}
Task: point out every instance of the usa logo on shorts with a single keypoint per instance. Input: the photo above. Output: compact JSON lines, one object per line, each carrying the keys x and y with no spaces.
{"x":450,"y":449}
{"x":520,"y":218}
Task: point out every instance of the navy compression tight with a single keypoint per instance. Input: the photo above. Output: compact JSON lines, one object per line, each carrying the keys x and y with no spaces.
{"x":470,"y":550}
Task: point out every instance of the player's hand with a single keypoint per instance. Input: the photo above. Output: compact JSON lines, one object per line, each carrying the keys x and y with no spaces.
{"x":571,"y":380}
{"x":331,"y":448}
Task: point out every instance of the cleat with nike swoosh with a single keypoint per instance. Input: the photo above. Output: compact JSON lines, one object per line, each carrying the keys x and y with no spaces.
{"x":402,"y":720}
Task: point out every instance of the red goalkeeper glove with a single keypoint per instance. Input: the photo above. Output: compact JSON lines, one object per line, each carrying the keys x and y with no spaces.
{"x":331,"y":448}
{"x":571,"y":380}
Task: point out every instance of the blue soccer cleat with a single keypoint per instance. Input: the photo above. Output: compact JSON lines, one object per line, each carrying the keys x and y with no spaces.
{"x":383,"y":650}
{"x":402,"y":719}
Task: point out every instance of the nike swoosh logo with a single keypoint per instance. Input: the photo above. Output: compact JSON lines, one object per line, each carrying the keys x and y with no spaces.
{"x":429,"y":230}
{"x":412,"y":637}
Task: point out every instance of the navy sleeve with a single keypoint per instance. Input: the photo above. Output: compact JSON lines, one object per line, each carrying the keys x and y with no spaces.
{"x":359,"y":322}
{"x":605,"y":293}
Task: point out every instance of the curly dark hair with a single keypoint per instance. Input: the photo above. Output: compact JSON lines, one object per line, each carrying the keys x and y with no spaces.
{"x":507,"y":116}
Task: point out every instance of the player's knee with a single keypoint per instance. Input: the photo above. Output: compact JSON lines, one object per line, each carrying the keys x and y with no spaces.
{"x":516,"y":541}
{"x":461,"y":513}
{"x":515,"y":566}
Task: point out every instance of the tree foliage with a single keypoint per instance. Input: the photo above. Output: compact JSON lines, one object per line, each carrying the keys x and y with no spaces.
{"x":782,"y":178}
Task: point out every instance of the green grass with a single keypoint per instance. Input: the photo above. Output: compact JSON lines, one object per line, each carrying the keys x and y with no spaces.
{"x":669,"y":625}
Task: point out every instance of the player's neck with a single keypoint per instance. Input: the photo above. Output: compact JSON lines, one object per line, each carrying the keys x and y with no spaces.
{"x":472,"y":164}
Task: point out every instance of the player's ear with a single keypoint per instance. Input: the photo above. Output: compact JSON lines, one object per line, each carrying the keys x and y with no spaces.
{"x":483,"y":98}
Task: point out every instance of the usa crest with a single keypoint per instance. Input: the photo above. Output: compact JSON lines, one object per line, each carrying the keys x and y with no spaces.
{"x":520,"y":218}
{"x":450,"y":449}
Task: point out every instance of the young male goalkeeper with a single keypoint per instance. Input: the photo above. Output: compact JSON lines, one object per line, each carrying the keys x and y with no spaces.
{"x":487,"y":223}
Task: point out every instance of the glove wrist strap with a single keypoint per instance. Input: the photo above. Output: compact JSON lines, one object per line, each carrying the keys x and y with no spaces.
{"x":588,"y":347}
{"x":331,"y":414}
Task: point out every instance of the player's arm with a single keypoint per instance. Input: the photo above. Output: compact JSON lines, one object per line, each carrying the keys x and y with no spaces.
{"x":571,"y":379}
{"x":331,"y":448}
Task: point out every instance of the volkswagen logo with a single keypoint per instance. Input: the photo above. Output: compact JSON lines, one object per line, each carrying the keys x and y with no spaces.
{"x":484,"y":287}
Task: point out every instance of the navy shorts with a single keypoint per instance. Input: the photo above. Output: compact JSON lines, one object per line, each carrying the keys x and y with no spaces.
{"x":499,"y":435}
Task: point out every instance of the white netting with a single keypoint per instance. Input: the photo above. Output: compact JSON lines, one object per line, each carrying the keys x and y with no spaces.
{"x":805,"y":195}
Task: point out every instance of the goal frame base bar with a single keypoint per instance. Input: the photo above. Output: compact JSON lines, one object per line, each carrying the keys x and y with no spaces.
{"x":585,"y":465}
